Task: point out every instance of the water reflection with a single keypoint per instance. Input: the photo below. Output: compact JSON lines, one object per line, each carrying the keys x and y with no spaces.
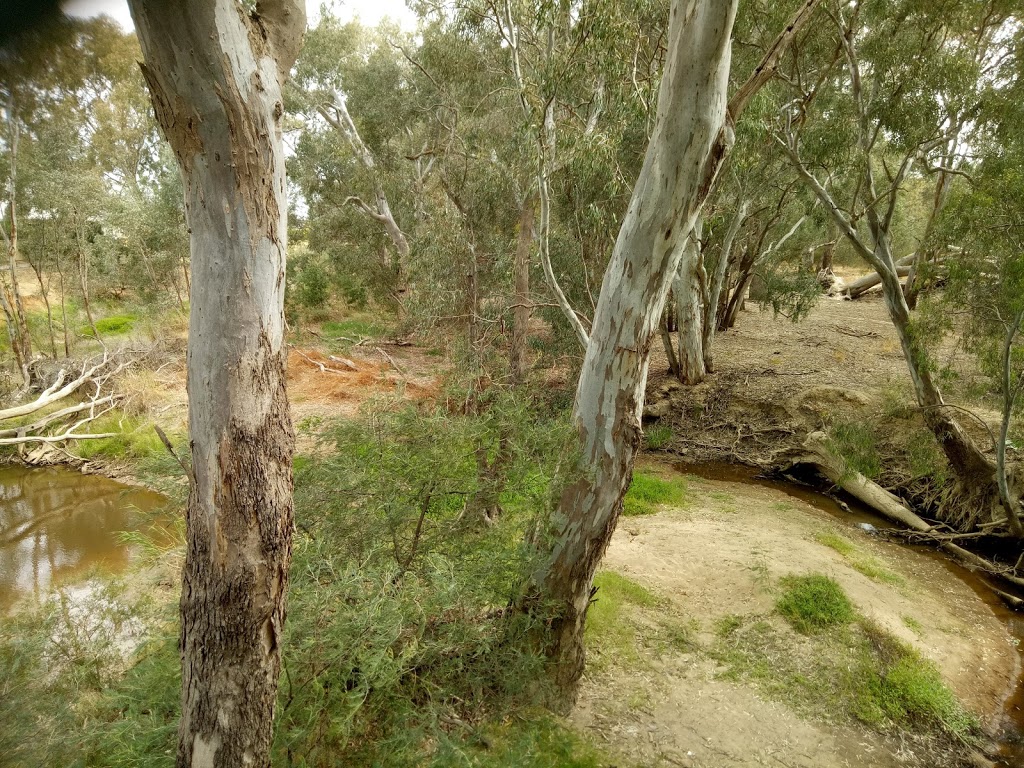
{"x":55,"y":524}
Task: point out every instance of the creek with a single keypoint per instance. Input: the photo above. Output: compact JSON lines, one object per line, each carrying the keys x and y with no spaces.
{"x":1010,"y":730}
{"x":57,"y":525}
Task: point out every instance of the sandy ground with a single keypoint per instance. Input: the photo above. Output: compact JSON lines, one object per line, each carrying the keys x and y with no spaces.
{"x":719,"y":556}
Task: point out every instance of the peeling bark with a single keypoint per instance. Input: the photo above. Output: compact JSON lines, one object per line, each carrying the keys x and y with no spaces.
{"x":215,"y":75}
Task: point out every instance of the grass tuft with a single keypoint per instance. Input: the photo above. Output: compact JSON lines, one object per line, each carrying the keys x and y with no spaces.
{"x":814,"y":603}
{"x":647,"y":492}
{"x":860,"y":561}
{"x":657,"y":436}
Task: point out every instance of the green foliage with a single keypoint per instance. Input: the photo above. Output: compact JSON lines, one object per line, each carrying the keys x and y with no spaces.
{"x":814,"y":603}
{"x":855,"y":442}
{"x":647,"y":492}
{"x":907,"y":688}
{"x":135,"y":439}
{"x":925,"y":458}
{"x":657,"y":436}
{"x":114,"y":325}
{"x":396,"y":626}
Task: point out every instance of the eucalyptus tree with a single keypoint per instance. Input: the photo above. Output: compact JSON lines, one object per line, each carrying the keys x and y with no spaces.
{"x":981,"y":236}
{"x":692,"y":135}
{"x":215,"y":72}
{"x":906,"y":102}
{"x":353,"y":90}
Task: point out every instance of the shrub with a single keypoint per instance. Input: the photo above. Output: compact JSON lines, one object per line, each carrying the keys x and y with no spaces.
{"x":657,"y":436}
{"x":114,"y":325}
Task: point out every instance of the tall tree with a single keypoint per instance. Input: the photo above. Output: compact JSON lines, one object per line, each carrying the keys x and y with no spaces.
{"x":906,"y":104}
{"x":692,"y":136}
{"x":215,"y":72}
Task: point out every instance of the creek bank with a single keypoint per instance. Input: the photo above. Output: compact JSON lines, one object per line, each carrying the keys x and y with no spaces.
{"x":720,"y":558}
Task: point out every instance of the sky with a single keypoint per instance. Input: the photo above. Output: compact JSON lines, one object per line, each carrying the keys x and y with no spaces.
{"x":368,"y":11}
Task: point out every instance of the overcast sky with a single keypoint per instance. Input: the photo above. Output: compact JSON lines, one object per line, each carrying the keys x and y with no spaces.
{"x":368,"y":11}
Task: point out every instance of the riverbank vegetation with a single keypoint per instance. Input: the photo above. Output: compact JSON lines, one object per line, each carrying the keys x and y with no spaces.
{"x":399,"y":397}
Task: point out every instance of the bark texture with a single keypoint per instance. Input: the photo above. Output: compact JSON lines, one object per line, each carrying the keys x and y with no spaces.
{"x":678,"y":169}
{"x":215,"y":75}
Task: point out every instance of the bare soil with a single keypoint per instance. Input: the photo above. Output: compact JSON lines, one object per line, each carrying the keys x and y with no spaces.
{"x":722,"y":555}
{"x":776,"y":380}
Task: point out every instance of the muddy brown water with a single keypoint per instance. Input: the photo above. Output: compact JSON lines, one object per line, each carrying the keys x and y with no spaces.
{"x":57,"y":525}
{"x":1010,"y":735}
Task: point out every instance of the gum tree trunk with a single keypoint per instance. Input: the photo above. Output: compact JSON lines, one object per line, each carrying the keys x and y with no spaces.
{"x":693,"y":134}
{"x":678,"y":169}
{"x":215,"y":74}
{"x":688,"y":291}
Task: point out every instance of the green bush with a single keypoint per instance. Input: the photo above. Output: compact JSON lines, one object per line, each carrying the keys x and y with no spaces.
{"x":657,"y":436}
{"x":855,"y":442}
{"x":814,"y":603}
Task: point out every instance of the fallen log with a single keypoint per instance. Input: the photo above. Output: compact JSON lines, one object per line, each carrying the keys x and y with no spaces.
{"x":817,"y":454}
{"x":861,"y":286}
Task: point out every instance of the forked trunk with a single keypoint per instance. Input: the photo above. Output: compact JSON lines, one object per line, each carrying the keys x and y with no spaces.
{"x":215,"y":72}
{"x":679,"y":165}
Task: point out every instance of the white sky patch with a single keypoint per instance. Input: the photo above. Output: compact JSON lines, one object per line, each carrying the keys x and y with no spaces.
{"x":369,"y":12}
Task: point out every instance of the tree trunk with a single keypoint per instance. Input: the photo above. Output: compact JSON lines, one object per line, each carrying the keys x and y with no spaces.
{"x":689,"y":313}
{"x":717,"y":282}
{"x":678,"y":169}
{"x":521,"y":312}
{"x":14,"y":310}
{"x":83,"y":276}
{"x":215,"y":73}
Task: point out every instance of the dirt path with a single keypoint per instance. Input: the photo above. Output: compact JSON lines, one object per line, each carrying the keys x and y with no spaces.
{"x":721,"y":556}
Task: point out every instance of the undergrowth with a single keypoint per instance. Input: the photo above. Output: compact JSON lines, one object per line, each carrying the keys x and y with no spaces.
{"x":416,"y":529}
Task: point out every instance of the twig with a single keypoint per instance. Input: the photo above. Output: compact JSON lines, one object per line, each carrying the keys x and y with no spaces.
{"x":170,"y":448}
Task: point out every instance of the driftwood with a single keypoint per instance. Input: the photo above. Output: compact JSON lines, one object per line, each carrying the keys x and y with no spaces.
{"x":817,"y":454}
{"x":93,"y":376}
